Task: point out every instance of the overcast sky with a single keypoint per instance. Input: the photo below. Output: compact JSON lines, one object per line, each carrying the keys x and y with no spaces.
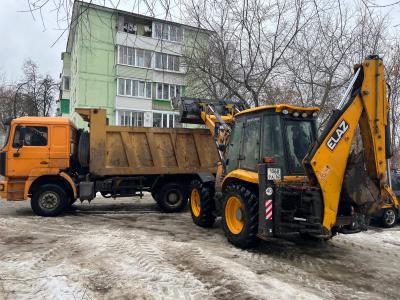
{"x":21,"y":37}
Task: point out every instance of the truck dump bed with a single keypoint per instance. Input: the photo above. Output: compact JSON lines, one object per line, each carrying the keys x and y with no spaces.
{"x":120,"y":150}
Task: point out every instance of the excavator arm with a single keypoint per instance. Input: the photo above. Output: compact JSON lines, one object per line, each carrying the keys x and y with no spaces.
{"x":364,"y":106}
{"x":217,"y":116}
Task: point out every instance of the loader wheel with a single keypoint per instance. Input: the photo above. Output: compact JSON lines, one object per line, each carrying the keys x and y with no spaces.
{"x":172,"y":197}
{"x":240,"y":216}
{"x":49,"y":200}
{"x":389,"y":217}
{"x":202,"y":204}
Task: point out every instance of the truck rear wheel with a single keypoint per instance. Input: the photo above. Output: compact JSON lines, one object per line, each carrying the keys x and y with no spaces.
{"x":389,"y":217}
{"x":172,"y":197}
{"x":240,"y":216}
{"x":202,"y":204}
{"x":49,"y":200}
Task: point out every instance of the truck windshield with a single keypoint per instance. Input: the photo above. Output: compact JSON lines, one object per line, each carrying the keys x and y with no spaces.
{"x":300,"y":136}
{"x":4,"y":136}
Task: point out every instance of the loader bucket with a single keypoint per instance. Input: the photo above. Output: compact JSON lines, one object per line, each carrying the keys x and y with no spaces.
{"x":190,"y":108}
{"x":358,"y":187}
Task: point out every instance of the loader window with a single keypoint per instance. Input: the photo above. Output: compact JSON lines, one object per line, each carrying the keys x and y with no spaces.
{"x":234,"y":146}
{"x":272,"y":140}
{"x":251,"y":144}
{"x":300,"y":136}
{"x":34,"y":136}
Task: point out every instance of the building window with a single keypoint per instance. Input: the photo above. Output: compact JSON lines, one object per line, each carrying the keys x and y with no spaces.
{"x":121,"y":86}
{"x":135,"y":88}
{"x":131,"y":118}
{"x":164,"y":120}
{"x":139,"y":58}
{"x":67,"y":80}
{"x":167,"y":91}
{"x":167,"y":62}
{"x":158,"y":30}
{"x":147,"y":59}
{"x":134,"y":57}
{"x":168,"y":32}
{"x":131,"y":56}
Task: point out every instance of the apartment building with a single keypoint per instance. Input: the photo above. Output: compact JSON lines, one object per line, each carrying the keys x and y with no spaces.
{"x":127,"y":63}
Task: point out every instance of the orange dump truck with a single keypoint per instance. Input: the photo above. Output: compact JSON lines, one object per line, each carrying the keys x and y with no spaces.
{"x":52,"y":163}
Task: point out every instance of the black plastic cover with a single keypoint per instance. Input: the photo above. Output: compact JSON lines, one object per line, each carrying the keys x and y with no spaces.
{"x":3,"y":163}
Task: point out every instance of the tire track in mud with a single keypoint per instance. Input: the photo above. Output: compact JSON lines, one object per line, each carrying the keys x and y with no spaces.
{"x":140,"y":267}
{"x":328,"y":270}
{"x":41,"y":274}
{"x":220,"y":284}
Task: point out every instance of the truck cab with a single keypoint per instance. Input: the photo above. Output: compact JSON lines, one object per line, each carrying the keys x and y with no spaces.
{"x":37,"y":152}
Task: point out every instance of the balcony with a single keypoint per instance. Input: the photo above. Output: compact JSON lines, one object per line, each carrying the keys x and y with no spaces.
{"x":148,"y":43}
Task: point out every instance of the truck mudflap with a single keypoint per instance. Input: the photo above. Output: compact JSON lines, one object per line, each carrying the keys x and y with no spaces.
{"x":3,"y":163}
{"x":3,"y":190}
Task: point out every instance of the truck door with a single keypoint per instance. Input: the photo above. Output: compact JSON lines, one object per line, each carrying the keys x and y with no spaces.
{"x":29,"y":150}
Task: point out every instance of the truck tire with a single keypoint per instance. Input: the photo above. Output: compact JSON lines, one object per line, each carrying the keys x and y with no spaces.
{"x":172,"y":197}
{"x":389,"y":217}
{"x":202,"y":204}
{"x":49,"y":200}
{"x":83,"y":149}
{"x":240,"y":216}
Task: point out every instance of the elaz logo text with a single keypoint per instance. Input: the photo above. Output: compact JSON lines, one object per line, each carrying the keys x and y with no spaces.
{"x":337,"y":135}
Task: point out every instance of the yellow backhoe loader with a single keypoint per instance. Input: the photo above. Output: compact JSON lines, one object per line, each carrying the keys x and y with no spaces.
{"x":277,"y":177}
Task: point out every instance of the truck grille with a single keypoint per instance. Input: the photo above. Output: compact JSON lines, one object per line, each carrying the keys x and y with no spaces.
{"x":3,"y":163}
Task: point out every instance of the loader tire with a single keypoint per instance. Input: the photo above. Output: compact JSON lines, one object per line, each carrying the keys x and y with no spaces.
{"x":389,"y":217}
{"x":83,"y":149}
{"x":202,"y":205}
{"x":49,"y":200}
{"x":172,"y":197}
{"x":240,"y":216}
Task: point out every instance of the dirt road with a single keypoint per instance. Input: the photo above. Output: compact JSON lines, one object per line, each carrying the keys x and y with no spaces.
{"x":128,"y":249}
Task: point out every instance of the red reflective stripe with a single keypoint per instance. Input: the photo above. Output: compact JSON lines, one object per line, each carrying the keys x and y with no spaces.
{"x":268,"y":209}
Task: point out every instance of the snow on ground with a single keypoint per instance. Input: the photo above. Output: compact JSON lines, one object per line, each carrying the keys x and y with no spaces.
{"x":128,"y":249}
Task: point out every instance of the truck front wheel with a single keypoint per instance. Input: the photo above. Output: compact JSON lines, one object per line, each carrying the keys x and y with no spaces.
{"x":49,"y":200}
{"x":172,"y":197}
{"x":240,"y":216}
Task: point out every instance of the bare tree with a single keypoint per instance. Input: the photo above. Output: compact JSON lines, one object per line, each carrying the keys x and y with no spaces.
{"x":321,"y":59}
{"x":246,"y":45}
{"x":37,"y":91}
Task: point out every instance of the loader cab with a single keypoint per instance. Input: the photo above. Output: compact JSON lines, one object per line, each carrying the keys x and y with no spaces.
{"x":279,"y":134}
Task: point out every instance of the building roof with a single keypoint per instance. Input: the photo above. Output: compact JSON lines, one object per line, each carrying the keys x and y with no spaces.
{"x":75,"y":18}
